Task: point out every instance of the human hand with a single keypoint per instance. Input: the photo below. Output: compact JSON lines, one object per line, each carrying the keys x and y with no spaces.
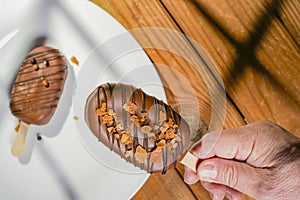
{"x":261,"y":160}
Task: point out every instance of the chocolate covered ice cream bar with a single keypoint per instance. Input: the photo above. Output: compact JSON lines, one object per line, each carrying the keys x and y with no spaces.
{"x":37,"y":89}
{"x":140,"y":128}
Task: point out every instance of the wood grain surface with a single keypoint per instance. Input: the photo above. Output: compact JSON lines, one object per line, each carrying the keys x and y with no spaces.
{"x":254,"y":46}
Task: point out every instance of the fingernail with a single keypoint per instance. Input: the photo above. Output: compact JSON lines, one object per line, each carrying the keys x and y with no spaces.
{"x":207,"y":172}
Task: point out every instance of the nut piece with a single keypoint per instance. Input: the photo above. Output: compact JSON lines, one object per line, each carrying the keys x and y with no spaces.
{"x":140,"y":154}
{"x":74,"y":60}
{"x":143,"y":116}
{"x":116,"y":135}
{"x":126,"y":138}
{"x":130,"y":107}
{"x":128,"y":153}
{"x":107,"y":119}
{"x":35,"y":67}
{"x":152,"y":136}
{"x":45,"y":83}
{"x":114,"y":129}
{"x":102,"y":110}
{"x":156,"y":156}
{"x":161,"y":143}
{"x":170,"y":133}
{"x":146,"y":129}
{"x":135,"y":120}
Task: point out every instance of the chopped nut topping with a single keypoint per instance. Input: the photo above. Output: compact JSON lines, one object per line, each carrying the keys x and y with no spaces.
{"x":146,"y":129}
{"x":74,"y":60}
{"x":170,"y":122}
{"x":164,"y":128}
{"x":128,"y":153}
{"x":170,"y":133}
{"x":161,"y":136}
{"x":116,"y":135}
{"x":102,"y":110}
{"x":111,"y":112}
{"x":152,"y":136}
{"x":140,"y":154}
{"x":110,"y":129}
{"x":135,"y":119}
{"x":119,"y":127}
{"x":46,"y":83}
{"x":156,"y":156}
{"x":155,"y":127}
{"x":35,"y":67}
{"x":107,"y":119}
{"x":161,"y":143}
{"x":172,"y":144}
{"x":126,"y":138}
{"x":114,"y":129}
{"x":130,"y":107}
{"x":143,"y":116}
{"x":17,"y":127}
{"x":144,"y":113}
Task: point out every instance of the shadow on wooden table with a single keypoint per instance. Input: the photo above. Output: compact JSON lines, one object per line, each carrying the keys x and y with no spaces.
{"x":246,"y":50}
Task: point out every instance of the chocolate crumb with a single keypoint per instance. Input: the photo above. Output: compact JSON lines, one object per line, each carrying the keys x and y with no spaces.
{"x":39,"y":137}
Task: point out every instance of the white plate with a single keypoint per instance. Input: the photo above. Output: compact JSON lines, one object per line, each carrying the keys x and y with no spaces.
{"x":59,"y":167}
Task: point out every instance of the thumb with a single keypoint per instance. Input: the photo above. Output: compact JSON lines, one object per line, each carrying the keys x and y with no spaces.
{"x":237,"y":175}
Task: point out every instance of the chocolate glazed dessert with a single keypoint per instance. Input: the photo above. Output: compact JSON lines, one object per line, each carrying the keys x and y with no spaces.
{"x":37,"y":89}
{"x":143,"y":130}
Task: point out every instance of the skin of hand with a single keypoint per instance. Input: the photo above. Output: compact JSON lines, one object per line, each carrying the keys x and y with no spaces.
{"x":261,"y":160}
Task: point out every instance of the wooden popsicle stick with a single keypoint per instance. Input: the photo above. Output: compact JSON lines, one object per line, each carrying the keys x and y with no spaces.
{"x":190,"y":161}
{"x":19,"y":141}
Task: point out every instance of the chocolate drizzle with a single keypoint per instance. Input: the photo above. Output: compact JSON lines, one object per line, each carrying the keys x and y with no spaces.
{"x":38,"y":86}
{"x":117,"y":95}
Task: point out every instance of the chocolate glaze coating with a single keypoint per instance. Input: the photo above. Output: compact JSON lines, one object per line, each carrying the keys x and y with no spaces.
{"x":38,"y":86}
{"x":115,"y":96}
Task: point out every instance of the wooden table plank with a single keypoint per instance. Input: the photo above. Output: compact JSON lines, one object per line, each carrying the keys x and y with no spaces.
{"x":256,"y":55}
{"x":290,"y":16}
{"x":164,"y":187}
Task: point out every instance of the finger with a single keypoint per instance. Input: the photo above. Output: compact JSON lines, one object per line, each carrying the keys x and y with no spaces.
{"x":233,"y":194}
{"x":216,"y":191}
{"x":236,"y":175}
{"x":233,"y":143}
{"x":219,"y":191}
{"x":190,"y":177}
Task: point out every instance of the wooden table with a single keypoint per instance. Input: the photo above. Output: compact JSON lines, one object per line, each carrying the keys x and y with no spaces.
{"x":255,"y":45}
